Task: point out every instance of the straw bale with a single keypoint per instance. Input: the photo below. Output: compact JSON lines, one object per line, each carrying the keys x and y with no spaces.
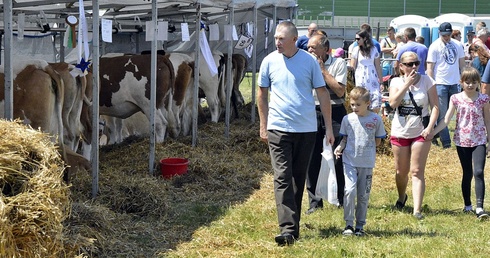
{"x":34,"y":200}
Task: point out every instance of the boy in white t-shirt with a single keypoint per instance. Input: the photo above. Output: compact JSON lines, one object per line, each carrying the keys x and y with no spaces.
{"x":362,"y":131}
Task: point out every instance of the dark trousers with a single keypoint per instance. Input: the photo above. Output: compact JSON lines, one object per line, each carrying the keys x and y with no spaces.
{"x":472,"y":161}
{"x":290,"y":154}
{"x":338,"y":112}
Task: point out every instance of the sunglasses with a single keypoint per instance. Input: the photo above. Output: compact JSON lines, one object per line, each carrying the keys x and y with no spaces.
{"x":410,"y":64}
{"x":358,"y":38}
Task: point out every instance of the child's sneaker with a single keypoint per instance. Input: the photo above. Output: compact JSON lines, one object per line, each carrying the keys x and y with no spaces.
{"x":360,"y":232}
{"x":482,"y":215}
{"x":348,"y":231}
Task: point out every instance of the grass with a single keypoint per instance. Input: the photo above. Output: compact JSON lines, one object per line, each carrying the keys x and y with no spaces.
{"x":224,"y":206}
{"x":247,"y":229}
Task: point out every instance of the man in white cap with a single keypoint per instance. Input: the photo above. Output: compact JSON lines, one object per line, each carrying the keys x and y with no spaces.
{"x":445,"y":61}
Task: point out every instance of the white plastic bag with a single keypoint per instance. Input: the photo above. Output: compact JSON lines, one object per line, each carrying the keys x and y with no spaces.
{"x":326,"y":186}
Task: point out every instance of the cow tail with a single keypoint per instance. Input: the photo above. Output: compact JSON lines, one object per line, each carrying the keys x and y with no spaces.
{"x":58,"y":88}
{"x":182,"y":80}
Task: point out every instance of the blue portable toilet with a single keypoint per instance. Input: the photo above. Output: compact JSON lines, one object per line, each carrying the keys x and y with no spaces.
{"x":434,"y":34}
{"x":466,"y":29}
{"x":425,"y":32}
{"x":458,"y":22}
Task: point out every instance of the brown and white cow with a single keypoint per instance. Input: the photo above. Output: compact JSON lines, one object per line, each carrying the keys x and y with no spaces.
{"x":38,"y":95}
{"x":212,"y":86}
{"x":238,"y":70}
{"x":125,"y":89}
{"x":74,"y":96}
{"x":38,"y":92}
{"x":178,"y":110}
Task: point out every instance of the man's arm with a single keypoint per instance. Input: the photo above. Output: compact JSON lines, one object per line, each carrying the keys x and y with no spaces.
{"x":485,"y":81}
{"x":324,"y":99}
{"x":263,"y":108}
{"x":430,"y":70}
{"x":332,"y":82}
{"x":461,"y":64}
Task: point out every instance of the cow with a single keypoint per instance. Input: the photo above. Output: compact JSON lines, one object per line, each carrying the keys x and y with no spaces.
{"x":180,"y":109}
{"x":239,"y":66}
{"x":38,"y":95}
{"x":38,"y":92}
{"x":74,"y":96}
{"x":183,"y":90}
{"x":213,"y":86}
{"x":125,"y":89}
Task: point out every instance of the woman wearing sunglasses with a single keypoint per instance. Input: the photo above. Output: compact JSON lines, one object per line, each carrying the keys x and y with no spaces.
{"x":412,"y":94}
{"x":366,"y":63}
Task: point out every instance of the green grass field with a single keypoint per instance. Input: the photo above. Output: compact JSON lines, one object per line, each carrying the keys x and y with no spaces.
{"x":247,"y":229}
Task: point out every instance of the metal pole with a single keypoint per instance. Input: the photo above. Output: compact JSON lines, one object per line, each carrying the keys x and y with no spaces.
{"x":9,"y":90}
{"x":62,"y":45}
{"x":474,"y":8}
{"x":333,"y":13}
{"x":153,"y":83}
{"x":94,"y":154}
{"x":229,"y":84}
{"x":196,"y":75}
{"x":369,"y":12}
{"x":254,"y":65}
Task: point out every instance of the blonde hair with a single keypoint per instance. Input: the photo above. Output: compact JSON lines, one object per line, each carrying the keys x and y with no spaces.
{"x":360,"y":93}
{"x":406,"y":55}
{"x":470,"y":74}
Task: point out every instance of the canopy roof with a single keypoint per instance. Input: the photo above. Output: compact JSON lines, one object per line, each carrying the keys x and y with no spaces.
{"x":127,"y":9}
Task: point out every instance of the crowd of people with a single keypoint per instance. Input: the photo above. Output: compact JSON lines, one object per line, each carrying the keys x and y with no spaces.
{"x":302,"y":91}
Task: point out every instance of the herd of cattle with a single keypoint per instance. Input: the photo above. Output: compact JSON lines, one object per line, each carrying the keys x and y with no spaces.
{"x":50,"y":97}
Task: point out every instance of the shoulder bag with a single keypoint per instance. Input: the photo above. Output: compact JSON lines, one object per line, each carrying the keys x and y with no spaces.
{"x":425,"y":119}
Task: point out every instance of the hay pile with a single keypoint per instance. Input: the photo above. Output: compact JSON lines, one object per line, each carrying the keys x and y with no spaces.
{"x":34,"y":200}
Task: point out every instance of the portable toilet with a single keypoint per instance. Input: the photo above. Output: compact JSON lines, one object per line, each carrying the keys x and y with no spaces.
{"x":458,"y":21}
{"x":419,"y":23}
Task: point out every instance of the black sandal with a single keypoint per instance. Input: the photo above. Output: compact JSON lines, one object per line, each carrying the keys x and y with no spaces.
{"x":400,"y":205}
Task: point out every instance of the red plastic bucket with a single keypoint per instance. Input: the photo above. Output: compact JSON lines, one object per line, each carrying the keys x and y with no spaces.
{"x":173,"y":166}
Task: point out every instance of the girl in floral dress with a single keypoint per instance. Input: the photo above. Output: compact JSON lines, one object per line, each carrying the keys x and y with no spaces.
{"x":470,"y":136}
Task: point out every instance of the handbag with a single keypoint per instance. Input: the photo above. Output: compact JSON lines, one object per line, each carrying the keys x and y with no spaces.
{"x":425,"y":119}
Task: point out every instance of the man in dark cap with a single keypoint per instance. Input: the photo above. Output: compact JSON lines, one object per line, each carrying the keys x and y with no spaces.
{"x":445,"y":61}
{"x":469,"y":36}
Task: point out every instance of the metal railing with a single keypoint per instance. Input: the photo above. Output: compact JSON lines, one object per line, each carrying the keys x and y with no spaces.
{"x":342,"y":21}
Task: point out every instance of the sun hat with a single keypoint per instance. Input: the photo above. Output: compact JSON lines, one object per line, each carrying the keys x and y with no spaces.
{"x":339,"y":52}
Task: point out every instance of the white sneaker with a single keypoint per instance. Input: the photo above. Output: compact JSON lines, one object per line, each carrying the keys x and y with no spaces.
{"x":348,"y":231}
{"x":482,"y":215}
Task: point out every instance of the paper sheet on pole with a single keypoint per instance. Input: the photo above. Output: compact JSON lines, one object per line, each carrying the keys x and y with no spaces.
{"x":21,"y":22}
{"x":185,"y":31}
{"x":208,"y":56}
{"x":227,"y":32}
{"x":235,"y":35}
{"x":162,"y":30}
{"x":106,"y":30}
{"x":149,"y":31}
{"x":213,"y":32}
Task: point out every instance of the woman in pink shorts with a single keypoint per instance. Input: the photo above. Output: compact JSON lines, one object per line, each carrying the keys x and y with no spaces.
{"x":412,"y":94}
